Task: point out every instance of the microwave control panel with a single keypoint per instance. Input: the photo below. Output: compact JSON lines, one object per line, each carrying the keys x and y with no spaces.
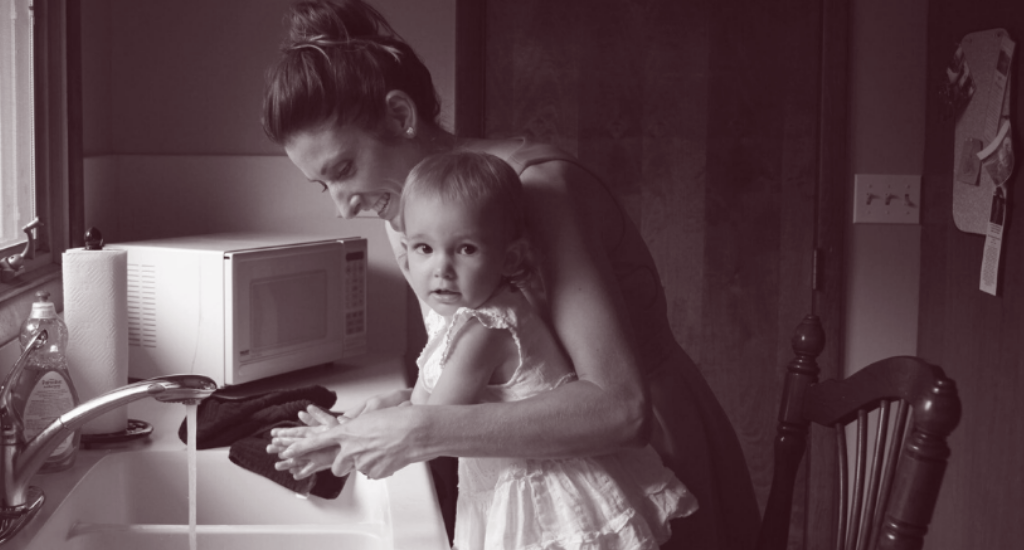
{"x":354,"y":288}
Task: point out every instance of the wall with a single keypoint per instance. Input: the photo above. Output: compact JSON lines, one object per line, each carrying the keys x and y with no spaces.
{"x":887,"y":86}
{"x":187,"y":78}
{"x":974,"y":337}
{"x":172,"y":100}
{"x":896,"y":128}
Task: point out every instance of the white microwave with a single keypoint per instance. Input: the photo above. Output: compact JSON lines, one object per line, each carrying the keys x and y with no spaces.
{"x":241,"y":307}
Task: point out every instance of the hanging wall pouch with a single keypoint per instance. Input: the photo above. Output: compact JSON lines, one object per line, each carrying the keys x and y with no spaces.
{"x":978,"y":92}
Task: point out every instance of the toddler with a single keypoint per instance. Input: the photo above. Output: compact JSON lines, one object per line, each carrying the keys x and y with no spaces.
{"x":467,"y":258}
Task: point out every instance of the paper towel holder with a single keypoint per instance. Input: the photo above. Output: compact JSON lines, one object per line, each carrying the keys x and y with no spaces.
{"x":93,"y":239}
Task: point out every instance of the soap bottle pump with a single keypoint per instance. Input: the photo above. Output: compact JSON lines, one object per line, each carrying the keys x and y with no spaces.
{"x":45,"y":390}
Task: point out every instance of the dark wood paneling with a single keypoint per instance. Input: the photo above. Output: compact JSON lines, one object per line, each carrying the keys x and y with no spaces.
{"x":704,"y":117}
{"x":672,"y":171}
{"x":975,"y":337}
{"x":759,"y":208}
{"x":470,"y":51}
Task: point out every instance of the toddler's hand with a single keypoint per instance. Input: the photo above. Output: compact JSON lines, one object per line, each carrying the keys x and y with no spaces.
{"x":307,"y":464}
{"x":316,"y":421}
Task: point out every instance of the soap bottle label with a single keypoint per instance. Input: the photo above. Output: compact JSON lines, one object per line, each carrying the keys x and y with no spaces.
{"x":50,"y":398}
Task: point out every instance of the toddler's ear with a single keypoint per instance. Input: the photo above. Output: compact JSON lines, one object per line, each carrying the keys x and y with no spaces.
{"x":402,"y":255}
{"x":515,"y":256}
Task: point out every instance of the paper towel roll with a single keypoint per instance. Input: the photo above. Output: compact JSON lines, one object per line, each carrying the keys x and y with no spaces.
{"x":96,"y":313}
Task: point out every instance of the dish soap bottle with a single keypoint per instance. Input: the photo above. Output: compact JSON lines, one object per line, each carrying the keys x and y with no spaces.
{"x":44,"y":390}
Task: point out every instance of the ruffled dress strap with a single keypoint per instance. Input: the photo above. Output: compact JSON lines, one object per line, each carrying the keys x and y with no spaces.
{"x":429,"y":366}
{"x":490,"y":315}
{"x":434,"y":323}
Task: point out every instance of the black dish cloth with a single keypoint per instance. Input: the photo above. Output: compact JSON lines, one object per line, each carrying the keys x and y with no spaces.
{"x":251,"y":454}
{"x":223,"y":420}
{"x":244,"y":424}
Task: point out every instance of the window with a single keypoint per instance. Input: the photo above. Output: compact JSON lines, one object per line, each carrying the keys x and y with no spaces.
{"x":17,"y":119}
{"x":34,"y":144}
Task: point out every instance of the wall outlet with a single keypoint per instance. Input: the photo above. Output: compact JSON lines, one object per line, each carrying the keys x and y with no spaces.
{"x":886,"y":199}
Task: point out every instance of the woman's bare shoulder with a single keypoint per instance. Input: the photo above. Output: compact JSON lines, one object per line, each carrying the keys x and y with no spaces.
{"x":524,"y":155}
{"x":555,"y":181}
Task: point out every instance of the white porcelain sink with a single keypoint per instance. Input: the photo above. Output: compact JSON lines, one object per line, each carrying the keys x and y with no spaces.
{"x":242,"y":540}
{"x":136,"y":500}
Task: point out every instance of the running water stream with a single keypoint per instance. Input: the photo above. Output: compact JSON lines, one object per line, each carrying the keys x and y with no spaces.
{"x":190,"y":411}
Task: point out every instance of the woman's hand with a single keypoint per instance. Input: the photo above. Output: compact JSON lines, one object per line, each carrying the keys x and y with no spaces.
{"x":376,"y":443}
{"x":317,"y":420}
{"x":382,"y":401}
{"x":320,"y":427}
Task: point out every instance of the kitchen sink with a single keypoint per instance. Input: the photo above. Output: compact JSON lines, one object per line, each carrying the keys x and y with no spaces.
{"x":140,"y":499}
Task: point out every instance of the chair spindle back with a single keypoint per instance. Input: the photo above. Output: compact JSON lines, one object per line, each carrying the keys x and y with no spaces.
{"x":896,"y":414}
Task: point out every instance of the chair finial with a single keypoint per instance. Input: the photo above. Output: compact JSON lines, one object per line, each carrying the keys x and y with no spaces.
{"x":939,"y":409}
{"x":809,"y":337}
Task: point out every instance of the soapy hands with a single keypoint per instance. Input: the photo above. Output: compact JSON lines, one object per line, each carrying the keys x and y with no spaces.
{"x":317,"y":421}
{"x":367,"y":438}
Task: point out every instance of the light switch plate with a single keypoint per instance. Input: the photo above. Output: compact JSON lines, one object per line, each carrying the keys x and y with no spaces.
{"x":883,"y":198}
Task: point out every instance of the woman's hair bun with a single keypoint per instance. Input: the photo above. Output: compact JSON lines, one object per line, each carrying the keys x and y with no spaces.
{"x":338,"y":63}
{"x":334,"y":21}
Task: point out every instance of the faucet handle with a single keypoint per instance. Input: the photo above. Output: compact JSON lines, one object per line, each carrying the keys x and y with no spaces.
{"x":34,"y":343}
{"x":14,"y":265}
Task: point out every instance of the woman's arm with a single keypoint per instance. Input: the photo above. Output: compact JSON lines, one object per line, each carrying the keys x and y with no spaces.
{"x":568,"y":214}
{"x":607,"y":408}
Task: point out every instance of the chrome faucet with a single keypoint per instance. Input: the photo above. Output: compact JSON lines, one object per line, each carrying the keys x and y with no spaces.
{"x":19,"y":462}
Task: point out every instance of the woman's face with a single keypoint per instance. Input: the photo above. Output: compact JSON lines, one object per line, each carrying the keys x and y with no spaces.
{"x":361,"y":172}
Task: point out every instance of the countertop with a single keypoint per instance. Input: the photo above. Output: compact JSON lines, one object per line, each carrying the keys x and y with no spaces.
{"x":353,"y":382}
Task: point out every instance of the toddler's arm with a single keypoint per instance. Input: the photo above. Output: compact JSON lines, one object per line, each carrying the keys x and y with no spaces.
{"x":420,"y":395}
{"x":475,"y":354}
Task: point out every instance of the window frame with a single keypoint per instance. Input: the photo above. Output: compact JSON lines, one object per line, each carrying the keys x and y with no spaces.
{"x":57,"y":74}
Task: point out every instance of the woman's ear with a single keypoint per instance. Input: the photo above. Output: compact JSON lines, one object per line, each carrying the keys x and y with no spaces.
{"x":401,"y":116}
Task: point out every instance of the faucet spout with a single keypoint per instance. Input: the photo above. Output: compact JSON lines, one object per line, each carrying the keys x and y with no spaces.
{"x":20,"y":464}
{"x":182,"y":388}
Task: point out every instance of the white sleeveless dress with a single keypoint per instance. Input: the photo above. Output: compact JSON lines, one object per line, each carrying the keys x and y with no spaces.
{"x":622,"y":500}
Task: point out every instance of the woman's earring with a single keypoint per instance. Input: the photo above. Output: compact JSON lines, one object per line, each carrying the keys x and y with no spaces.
{"x":410,"y":132}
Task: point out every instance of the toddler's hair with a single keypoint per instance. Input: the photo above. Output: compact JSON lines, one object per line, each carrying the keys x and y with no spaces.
{"x":478,"y":180}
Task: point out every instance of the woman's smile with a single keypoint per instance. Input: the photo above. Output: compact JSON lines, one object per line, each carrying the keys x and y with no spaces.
{"x":382,"y":205}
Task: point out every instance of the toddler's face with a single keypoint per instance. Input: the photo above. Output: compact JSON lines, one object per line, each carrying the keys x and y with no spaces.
{"x":456,"y":253}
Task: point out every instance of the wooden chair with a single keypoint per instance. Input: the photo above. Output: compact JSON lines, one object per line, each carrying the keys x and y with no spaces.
{"x":886,"y":500}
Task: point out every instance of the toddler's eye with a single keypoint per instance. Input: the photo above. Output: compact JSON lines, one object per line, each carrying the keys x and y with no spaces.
{"x":467,"y":249}
{"x":422,"y":248}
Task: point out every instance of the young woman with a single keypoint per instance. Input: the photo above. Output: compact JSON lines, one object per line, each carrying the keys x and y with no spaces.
{"x":355,"y":110}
